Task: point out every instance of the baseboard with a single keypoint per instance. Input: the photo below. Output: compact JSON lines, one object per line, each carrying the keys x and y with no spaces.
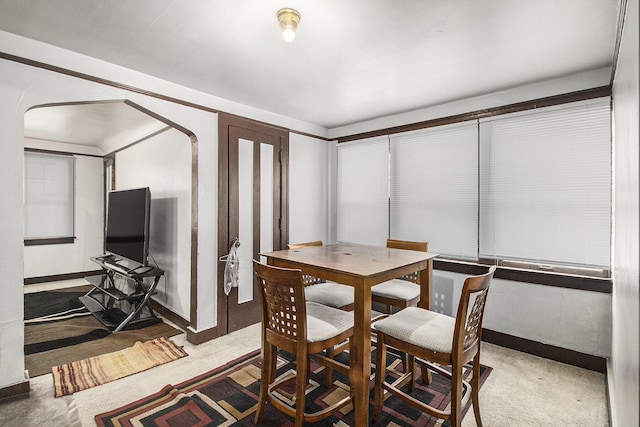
{"x":559,"y":354}
{"x":169,"y":314}
{"x":56,"y":277}
{"x":15,"y":391}
{"x":193,"y":337}
{"x":200,"y":337}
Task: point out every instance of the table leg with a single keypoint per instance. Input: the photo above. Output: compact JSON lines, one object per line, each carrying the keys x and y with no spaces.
{"x":360,"y":370}
{"x":426,"y":289}
{"x":426,"y":286}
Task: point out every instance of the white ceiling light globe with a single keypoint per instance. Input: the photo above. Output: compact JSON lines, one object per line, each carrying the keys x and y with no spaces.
{"x":288,"y":34}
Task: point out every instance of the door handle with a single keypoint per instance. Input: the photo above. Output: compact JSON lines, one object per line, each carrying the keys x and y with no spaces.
{"x":235,"y":244}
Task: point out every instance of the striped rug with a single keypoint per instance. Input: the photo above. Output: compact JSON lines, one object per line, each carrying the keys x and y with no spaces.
{"x":105,"y":368}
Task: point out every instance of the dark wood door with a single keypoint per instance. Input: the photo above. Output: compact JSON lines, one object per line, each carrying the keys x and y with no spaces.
{"x":252,"y":209}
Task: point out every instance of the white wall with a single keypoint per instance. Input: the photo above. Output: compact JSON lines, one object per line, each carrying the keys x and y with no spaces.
{"x":11,"y":236}
{"x":163,"y":163}
{"x":204,"y":126}
{"x":22,"y":87}
{"x":624,"y":370}
{"x":48,"y":260}
{"x":308,"y":189}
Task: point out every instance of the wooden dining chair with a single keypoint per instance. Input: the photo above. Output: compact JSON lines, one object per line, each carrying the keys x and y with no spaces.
{"x":302,"y":329}
{"x":440,"y":339}
{"x":333,"y":294}
{"x":402,"y":292}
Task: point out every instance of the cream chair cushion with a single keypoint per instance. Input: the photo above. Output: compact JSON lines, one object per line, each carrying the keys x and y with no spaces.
{"x":424,"y":328}
{"x":325,"y":322}
{"x":333,"y":294}
{"x":397,"y":289}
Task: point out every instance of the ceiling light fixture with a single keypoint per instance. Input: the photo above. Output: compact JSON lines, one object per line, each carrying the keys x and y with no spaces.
{"x":289,"y":19}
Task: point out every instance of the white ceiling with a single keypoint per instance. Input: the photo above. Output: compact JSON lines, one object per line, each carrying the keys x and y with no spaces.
{"x":351,"y":60}
{"x":106,"y":125}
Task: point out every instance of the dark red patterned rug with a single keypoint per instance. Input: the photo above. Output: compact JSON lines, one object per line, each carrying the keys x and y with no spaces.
{"x":227,"y":396}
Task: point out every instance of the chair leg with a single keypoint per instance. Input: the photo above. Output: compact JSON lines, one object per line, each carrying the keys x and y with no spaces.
{"x":475,"y":396}
{"x":302,"y":372}
{"x":266,"y":375}
{"x":456,"y":395}
{"x":426,"y":374}
{"x":328,"y":371}
{"x":381,"y":369}
{"x":411,"y":369}
{"x":273,"y":360}
{"x":404,"y":358}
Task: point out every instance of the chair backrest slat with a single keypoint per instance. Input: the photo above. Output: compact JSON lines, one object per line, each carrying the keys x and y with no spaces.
{"x":474,"y":318}
{"x":410,"y":246}
{"x":468,"y":330}
{"x":283,"y":301}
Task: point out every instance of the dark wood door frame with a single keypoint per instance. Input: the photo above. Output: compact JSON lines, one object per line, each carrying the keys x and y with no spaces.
{"x":228,"y":186}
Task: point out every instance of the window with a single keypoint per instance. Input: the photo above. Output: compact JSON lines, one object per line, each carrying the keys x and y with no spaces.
{"x":48,"y":198}
{"x":434,"y":188}
{"x":528,"y":190}
{"x":363,"y":192}
{"x":546,"y":187}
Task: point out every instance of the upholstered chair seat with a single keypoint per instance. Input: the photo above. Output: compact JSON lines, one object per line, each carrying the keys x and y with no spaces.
{"x":331,"y":294}
{"x":436,"y":340}
{"x":302,"y":328}
{"x":405,"y":291}
{"x":324,"y":292}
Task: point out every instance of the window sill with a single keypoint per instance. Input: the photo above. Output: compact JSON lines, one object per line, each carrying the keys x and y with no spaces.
{"x":52,"y":241}
{"x":568,"y":281}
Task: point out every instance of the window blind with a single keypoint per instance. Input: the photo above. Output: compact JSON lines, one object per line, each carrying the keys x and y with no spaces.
{"x":545,"y":185}
{"x":48,"y":195}
{"x":434,"y":188}
{"x":363,"y":192}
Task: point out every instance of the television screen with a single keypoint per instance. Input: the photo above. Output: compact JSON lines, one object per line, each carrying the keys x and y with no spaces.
{"x":127,"y":233}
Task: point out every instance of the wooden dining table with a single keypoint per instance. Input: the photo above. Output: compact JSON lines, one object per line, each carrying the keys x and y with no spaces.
{"x":360,"y":266}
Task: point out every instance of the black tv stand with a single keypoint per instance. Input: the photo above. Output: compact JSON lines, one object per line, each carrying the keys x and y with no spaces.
{"x":121,"y":302}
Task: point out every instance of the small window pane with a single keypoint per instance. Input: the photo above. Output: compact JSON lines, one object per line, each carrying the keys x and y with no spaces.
{"x":363,"y":192}
{"x":48,"y":195}
{"x":546,"y":185}
{"x":434,"y":188}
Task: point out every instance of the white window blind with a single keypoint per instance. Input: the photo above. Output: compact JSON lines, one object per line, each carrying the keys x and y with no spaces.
{"x":48,"y":195}
{"x":545,"y":189}
{"x":434,"y":188}
{"x":363,"y":192}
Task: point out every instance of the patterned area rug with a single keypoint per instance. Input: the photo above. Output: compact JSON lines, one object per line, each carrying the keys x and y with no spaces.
{"x":227,"y":396}
{"x":87,"y":373}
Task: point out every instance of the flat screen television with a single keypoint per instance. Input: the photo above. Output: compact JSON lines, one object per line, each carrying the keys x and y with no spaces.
{"x":127,"y":231}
